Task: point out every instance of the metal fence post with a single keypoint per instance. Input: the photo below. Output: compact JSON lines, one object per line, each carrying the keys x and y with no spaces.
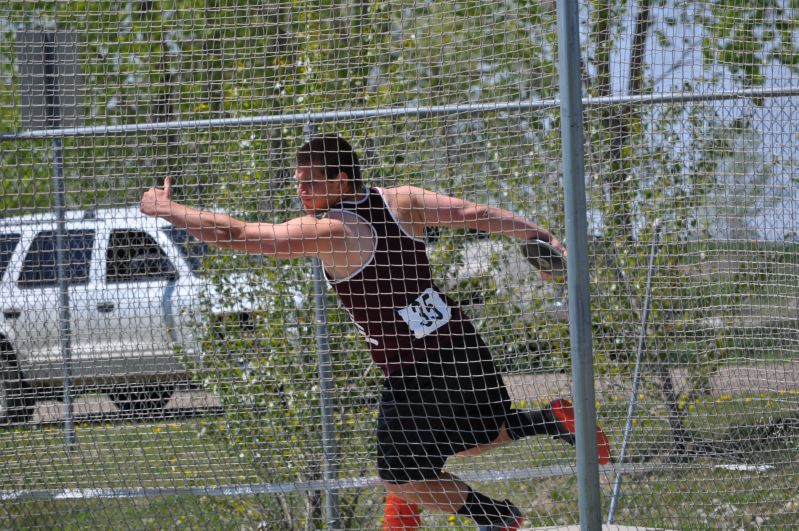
{"x":329,"y":445}
{"x":53,"y":119}
{"x":628,"y":425}
{"x":577,"y":262}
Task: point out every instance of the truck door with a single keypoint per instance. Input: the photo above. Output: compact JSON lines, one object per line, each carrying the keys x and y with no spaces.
{"x":36,"y":296}
{"x":134,"y":310}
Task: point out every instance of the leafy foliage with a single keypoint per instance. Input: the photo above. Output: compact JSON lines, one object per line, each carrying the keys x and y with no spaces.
{"x":673,"y":164}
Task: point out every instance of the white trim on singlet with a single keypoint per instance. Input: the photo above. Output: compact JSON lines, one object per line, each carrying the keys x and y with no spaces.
{"x":396,"y":221}
{"x":374,"y":245}
{"x":356,"y":201}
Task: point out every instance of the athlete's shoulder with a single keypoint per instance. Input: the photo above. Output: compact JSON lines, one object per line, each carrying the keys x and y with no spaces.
{"x":407,"y":203}
{"x":405,"y":190}
{"x":404,"y":196}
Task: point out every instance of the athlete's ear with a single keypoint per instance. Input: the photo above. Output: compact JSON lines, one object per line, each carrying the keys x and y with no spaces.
{"x":346,"y":183}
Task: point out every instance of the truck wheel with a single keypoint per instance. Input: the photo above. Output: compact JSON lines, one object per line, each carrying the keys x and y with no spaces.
{"x":142,"y":400}
{"x":16,"y":399}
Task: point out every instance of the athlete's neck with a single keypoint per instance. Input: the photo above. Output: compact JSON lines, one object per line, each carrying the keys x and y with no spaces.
{"x":353,"y":196}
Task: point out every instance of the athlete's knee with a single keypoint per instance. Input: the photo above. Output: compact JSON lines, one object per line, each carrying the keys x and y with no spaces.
{"x":410,"y":491}
{"x":394,"y":485}
{"x":501,"y":439}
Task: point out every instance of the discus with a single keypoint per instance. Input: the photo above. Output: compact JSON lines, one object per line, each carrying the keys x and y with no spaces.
{"x":546,"y":258}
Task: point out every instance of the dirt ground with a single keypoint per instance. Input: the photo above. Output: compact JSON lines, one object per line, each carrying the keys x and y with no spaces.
{"x":763,"y":377}
{"x":766,"y":377}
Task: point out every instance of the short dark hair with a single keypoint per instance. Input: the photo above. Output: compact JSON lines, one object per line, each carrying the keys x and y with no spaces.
{"x":334,"y":154}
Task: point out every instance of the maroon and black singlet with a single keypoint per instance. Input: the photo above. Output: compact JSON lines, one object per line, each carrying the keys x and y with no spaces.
{"x":442,"y":393}
{"x":392,"y":299}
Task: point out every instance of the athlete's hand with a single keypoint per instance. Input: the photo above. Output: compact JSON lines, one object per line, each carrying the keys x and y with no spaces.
{"x":157,"y":198}
{"x":557,"y":244}
{"x":547,"y":256}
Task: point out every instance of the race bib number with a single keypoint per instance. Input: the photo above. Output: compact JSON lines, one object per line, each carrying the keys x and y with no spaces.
{"x":426,"y":314}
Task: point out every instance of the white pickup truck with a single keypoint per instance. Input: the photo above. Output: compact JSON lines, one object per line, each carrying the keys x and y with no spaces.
{"x":135,"y":297}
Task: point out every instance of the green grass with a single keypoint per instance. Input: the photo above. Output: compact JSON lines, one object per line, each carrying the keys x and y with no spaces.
{"x":693,"y":494}
{"x":704,"y":498}
{"x":116,"y":455}
{"x":119,"y":455}
{"x":166,"y":512}
{"x":696,"y":492}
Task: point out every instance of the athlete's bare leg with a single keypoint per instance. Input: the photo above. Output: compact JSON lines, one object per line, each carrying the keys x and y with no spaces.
{"x":450,"y":495}
{"x":446,"y":493}
{"x":502,"y":439}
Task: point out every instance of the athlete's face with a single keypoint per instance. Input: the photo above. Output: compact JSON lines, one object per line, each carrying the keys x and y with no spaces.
{"x":317,"y":192}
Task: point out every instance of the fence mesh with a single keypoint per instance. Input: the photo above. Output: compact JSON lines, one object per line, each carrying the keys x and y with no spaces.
{"x":192,"y":374}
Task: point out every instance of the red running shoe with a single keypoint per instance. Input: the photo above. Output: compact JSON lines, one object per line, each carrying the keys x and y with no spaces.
{"x":564,"y":414}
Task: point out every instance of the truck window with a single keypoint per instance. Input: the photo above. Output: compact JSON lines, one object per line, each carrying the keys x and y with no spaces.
{"x":40,"y":268}
{"x":134,"y":256}
{"x":8,"y":242}
{"x":192,"y":249}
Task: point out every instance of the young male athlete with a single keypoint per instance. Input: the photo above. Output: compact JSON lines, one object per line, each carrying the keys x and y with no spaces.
{"x":442,"y":394}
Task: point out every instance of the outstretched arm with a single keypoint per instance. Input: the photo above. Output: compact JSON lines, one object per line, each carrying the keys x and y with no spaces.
{"x":431,"y":209}
{"x":298,"y":237}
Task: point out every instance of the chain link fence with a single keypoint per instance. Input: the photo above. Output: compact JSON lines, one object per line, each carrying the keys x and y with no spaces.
{"x":152,"y":381}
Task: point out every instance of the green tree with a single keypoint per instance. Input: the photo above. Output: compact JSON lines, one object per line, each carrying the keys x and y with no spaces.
{"x":669,"y":163}
{"x":163,"y":60}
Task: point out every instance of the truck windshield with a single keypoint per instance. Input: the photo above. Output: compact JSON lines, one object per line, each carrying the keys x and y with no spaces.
{"x":192,"y":249}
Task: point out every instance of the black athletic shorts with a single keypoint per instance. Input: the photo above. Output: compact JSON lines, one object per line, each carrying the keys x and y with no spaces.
{"x":432,"y":409}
